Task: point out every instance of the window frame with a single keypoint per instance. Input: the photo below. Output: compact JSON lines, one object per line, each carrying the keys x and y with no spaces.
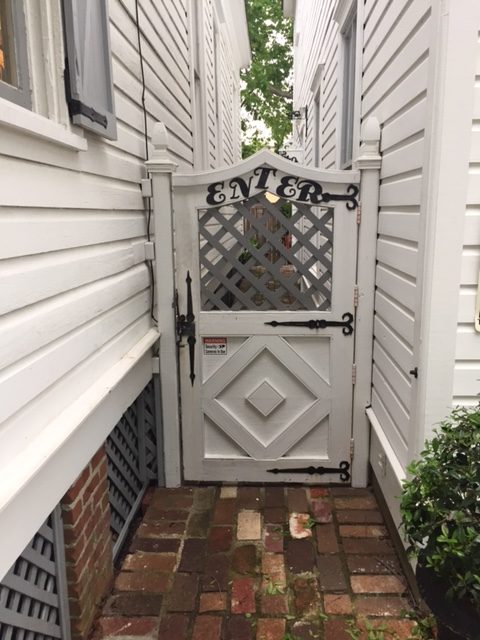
{"x":347,"y":15}
{"x":20,"y":95}
{"x":349,"y":41}
{"x":316,"y":89}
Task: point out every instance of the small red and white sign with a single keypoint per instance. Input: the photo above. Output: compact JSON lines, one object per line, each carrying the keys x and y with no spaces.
{"x":213,"y":346}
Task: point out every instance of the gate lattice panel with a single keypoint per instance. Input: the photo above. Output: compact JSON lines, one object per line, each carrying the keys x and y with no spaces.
{"x":132,"y":462}
{"x":33,"y":593}
{"x":258,"y":256}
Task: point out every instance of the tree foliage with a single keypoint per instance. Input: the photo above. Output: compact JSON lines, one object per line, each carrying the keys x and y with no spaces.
{"x":267,"y":90}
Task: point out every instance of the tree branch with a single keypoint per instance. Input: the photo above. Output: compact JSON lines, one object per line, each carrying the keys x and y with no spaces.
{"x":279,"y":92}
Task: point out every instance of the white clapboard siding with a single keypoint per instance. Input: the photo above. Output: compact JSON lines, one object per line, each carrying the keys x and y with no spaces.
{"x":101,"y":159}
{"x":467,"y":365}
{"x":316,"y":35}
{"x":391,"y":371}
{"x":34,"y":278}
{"x":210,"y":70}
{"x":389,"y":426}
{"x":391,"y":279}
{"x":227,"y":96}
{"x":166,"y":67}
{"x":63,"y":313}
{"x":397,"y":349}
{"x":48,"y":405}
{"x":31,"y":375}
{"x":75,"y":289}
{"x":34,"y":231}
{"x":73,"y":224}
{"x":396,"y":65}
{"x":60,"y":188}
{"x":74,"y":286}
{"x":395,"y":70}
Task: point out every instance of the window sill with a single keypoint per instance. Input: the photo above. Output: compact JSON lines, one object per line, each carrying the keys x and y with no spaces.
{"x":33,"y":124}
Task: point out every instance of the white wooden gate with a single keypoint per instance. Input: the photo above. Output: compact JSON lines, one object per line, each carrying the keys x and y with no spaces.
{"x":265,"y":272}
{"x":262,"y":262}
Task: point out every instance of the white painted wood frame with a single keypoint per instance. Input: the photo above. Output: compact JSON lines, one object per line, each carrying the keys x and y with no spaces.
{"x":342,"y":14}
{"x":160,"y":168}
{"x":369,"y":163}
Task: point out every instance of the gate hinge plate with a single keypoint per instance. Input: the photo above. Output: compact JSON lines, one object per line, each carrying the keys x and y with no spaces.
{"x":355,"y":296}
{"x":155,"y":364}
{"x":359,"y":213}
{"x":354,"y":373}
{"x":352,"y":448}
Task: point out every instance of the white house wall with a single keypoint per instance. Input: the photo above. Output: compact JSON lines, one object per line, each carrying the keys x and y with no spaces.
{"x":413,"y":80}
{"x":395,"y":65}
{"x":221,"y":86}
{"x":316,"y":43}
{"x":75,"y":287}
{"x":466,"y":381}
{"x":397,"y":40}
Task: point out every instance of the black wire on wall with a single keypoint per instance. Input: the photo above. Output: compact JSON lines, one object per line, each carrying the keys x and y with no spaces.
{"x":145,"y":132}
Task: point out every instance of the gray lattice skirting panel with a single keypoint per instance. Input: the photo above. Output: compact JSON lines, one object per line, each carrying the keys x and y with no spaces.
{"x":132,"y":461}
{"x":33,"y":594}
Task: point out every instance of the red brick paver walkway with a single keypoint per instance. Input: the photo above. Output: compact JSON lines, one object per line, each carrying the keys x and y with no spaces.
{"x":211,"y":563}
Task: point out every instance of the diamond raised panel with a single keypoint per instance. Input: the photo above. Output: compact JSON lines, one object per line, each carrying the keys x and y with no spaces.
{"x":265,"y":398}
{"x":266,"y":427}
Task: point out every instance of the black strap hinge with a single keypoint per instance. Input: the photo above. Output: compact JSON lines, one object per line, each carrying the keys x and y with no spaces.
{"x":343,"y":469}
{"x":75,"y":108}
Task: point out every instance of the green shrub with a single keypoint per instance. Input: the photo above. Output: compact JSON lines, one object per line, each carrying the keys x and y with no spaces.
{"x":440,"y":504}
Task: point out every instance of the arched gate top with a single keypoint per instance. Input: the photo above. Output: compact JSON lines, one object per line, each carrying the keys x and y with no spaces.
{"x":267,"y":171}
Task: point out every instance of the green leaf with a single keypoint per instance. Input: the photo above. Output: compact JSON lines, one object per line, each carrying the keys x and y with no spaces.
{"x":269,"y":74}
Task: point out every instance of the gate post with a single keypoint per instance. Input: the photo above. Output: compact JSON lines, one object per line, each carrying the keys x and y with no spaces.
{"x":160,"y":167}
{"x":369,"y":164}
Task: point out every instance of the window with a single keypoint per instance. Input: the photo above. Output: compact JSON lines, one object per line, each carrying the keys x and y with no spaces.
{"x":349,"y":39}
{"x":14,"y":79}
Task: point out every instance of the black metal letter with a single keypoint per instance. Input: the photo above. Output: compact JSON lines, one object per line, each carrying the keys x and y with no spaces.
{"x":264,"y":173}
{"x":244,"y":187}
{"x":214,"y":189}
{"x":284,"y":185}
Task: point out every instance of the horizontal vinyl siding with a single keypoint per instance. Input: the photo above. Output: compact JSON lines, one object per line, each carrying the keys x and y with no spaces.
{"x":74,"y":286}
{"x":467,"y":364}
{"x":394,"y":89}
{"x":166,"y":67}
{"x":317,"y":44}
{"x":226,"y":93}
{"x":211,"y":108}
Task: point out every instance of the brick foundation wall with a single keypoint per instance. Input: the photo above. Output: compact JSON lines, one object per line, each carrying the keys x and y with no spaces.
{"x":88,"y":544}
